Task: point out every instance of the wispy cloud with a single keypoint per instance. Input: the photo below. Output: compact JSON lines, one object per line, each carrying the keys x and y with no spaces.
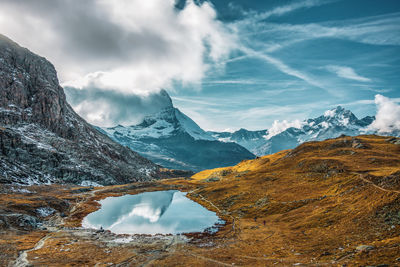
{"x":250,"y":81}
{"x":375,"y":30}
{"x":347,"y":73}
{"x":280,"y":65}
{"x":285,"y":9}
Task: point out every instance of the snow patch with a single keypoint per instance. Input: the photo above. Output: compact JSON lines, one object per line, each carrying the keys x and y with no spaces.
{"x":330,"y":113}
{"x":45,"y":211}
{"x":325,"y":124}
{"x":90,"y":183}
{"x":191,"y":127}
{"x":20,"y":190}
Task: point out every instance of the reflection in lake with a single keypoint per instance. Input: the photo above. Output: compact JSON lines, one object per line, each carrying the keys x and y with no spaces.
{"x":163,"y":212}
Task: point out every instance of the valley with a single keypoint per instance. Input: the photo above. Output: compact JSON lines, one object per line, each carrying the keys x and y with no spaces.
{"x":199,"y":133}
{"x":329,"y":203}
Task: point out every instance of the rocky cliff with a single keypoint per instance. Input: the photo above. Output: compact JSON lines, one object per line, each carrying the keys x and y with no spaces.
{"x":43,"y":140}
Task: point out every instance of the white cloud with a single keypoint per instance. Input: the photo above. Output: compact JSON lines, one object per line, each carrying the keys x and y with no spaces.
{"x":111,"y":52}
{"x":132,"y":46}
{"x":285,"y":9}
{"x":387,"y":116}
{"x":280,"y":126}
{"x":347,"y":73}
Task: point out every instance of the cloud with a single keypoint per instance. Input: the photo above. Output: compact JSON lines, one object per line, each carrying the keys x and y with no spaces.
{"x":285,"y":9}
{"x":374,"y":30}
{"x":280,"y":126}
{"x":108,"y":108}
{"x":281,"y":66}
{"x":387,"y":116}
{"x":135,"y":45}
{"x":347,"y":73}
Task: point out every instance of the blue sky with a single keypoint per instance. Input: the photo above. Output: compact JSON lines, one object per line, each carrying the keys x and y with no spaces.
{"x":298,"y":59}
{"x":228,"y":64}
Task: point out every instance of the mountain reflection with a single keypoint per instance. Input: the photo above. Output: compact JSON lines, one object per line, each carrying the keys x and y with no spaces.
{"x":150,"y":213}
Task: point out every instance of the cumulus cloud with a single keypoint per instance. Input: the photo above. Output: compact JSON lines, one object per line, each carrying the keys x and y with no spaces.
{"x":387,"y":116}
{"x":107,"y":108}
{"x":280,"y":126}
{"x":124,"y":49}
{"x":347,"y":73}
{"x":139,"y":45}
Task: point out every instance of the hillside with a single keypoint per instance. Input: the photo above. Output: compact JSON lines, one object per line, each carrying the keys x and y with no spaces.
{"x":320,"y":203}
{"x":42,"y":139}
{"x":333,"y":203}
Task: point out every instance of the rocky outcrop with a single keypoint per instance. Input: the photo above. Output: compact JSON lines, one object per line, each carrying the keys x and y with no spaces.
{"x":43,"y":140}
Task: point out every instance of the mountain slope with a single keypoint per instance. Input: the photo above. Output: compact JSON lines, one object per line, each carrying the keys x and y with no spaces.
{"x":173,"y":140}
{"x":252,"y":140}
{"x":43,"y":140}
{"x":333,"y":202}
{"x":333,"y":123}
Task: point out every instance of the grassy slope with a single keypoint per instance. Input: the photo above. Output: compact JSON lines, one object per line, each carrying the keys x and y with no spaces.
{"x":319,"y":202}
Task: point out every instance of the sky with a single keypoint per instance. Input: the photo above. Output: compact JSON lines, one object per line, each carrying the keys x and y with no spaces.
{"x":227,"y":64}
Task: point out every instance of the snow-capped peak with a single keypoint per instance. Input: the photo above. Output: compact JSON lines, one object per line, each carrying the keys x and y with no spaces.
{"x":167,"y":122}
{"x":190,"y":127}
{"x":334,"y":112}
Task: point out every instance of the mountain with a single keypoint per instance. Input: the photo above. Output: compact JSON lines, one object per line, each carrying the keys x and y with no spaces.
{"x":173,"y":140}
{"x":42,"y":140}
{"x":252,"y":140}
{"x":333,"y":123}
{"x":321,"y":201}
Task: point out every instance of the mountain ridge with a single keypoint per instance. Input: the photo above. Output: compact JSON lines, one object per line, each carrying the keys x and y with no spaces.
{"x":333,"y":123}
{"x":43,"y":140}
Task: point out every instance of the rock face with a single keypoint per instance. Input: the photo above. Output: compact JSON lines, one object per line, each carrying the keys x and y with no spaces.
{"x":173,"y":140}
{"x":43,"y":140}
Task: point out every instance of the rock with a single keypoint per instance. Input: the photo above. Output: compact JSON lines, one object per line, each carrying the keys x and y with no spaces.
{"x":43,"y":140}
{"x":393,"y":140}
{"x":27,"y":221}
{"x":364,"y":248}
{"x":212,"y":179}
{"x":356,"y":143}
{"x":3,"y":224}
{"x":45,"y":211}
{"x":82,"y":190}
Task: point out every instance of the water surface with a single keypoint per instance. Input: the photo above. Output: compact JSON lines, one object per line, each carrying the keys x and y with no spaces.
{"x":160,"y":212}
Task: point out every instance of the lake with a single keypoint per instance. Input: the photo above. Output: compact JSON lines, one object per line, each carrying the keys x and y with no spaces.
{"x":160,"y":212}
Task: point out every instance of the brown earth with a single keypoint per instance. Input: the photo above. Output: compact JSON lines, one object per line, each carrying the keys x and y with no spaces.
{"x":334,"y":203}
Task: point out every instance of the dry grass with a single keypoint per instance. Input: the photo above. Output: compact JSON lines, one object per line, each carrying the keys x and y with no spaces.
{"x":313,"y":205}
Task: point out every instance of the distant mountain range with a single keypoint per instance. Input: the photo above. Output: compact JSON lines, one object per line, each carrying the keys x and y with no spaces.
{"x":333,"y":123}
{"x":173,"y":140}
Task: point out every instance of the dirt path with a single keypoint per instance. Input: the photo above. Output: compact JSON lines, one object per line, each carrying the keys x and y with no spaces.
{"x":377,"y":186}
{"x":210,"y":260}
{"x":22,"y":259}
